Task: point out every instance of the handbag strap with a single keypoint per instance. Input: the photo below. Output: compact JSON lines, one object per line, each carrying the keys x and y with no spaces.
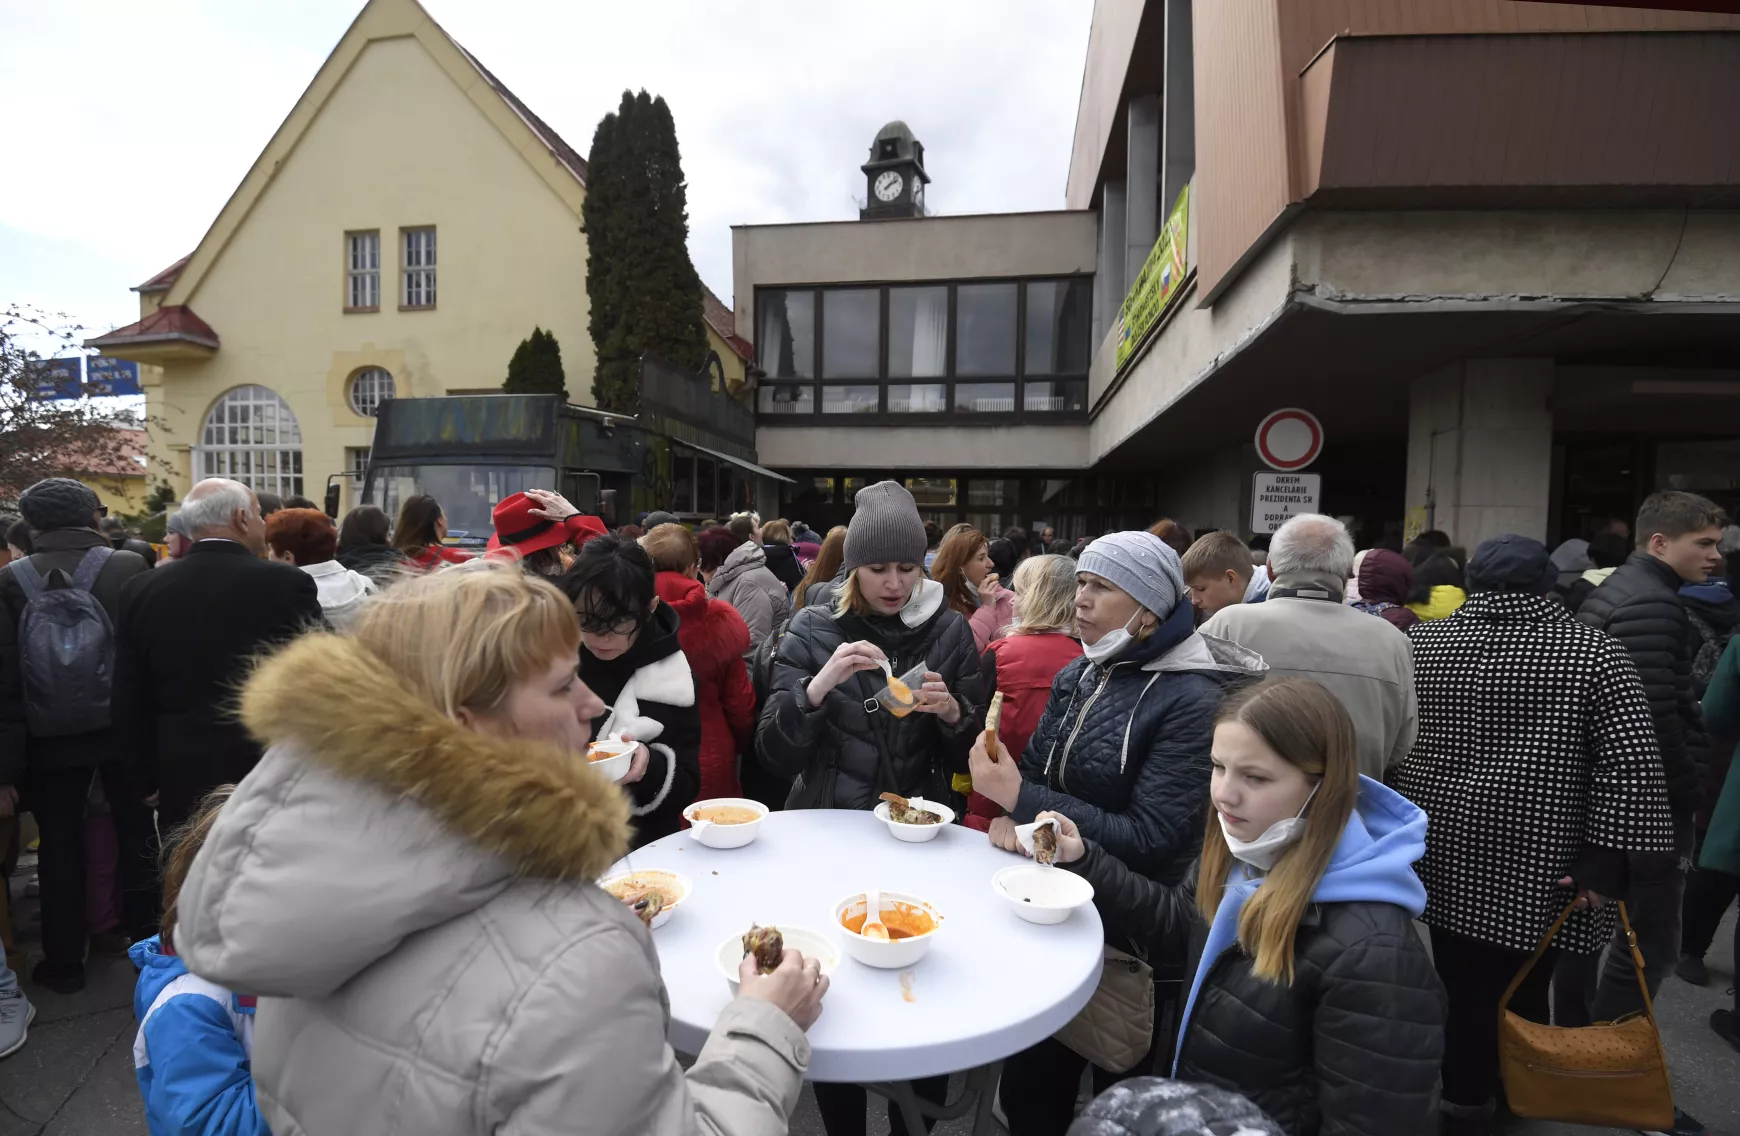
{"x":1547,"y":940}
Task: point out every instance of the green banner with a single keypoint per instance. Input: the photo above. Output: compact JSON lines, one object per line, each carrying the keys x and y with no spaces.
{"x":1161,"y":276}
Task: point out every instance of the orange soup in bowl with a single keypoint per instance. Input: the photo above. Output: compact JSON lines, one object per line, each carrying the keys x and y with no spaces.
{"x":725,"y":814}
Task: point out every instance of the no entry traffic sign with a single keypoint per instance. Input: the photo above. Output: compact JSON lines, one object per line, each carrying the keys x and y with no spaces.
{"x":1289,"y":439}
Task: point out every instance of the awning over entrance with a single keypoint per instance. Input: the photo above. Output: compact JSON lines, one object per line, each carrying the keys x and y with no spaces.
{"x":739,"y":462}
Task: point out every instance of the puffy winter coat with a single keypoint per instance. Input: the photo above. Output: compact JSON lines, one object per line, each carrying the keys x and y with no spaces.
{"x":1022,"y":669}
{"x":1524,"y":712}
{"x":1441,"y":603}
{"x":745,"y":583}
{"x":651,"y":694}
{"x":379,"y":562}
{"x":1122,"y":748}
{"x":1353,"y":1046}
{"x":191,"y":1055}
{"x":714,"y":637}
{"x":56,"y":550}
{"x":1640,"y":606}
{"x":782,"y":561}
{"x":413,"y":904}
{"x":845,"y":756}
{"x":342,"y":591}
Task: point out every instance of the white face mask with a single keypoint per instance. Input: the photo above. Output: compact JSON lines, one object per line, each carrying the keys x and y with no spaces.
{"x":1262,"y":852}
{"x":1112,"y":643}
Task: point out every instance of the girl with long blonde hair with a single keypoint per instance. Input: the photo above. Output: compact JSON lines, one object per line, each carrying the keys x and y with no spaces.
{"x":1313,"y":995}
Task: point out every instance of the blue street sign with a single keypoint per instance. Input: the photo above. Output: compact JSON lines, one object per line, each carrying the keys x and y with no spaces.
{"x":58,"y":380}
{"x":106,"y":375}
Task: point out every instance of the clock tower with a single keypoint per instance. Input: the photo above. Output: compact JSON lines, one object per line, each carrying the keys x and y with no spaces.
{"x":894,"y":177}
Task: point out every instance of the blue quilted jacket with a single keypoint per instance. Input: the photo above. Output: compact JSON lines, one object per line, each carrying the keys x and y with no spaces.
{"x":1123,"y":747}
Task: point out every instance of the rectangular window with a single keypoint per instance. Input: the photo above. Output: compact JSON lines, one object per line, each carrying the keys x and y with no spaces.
{"x":851,"y":399}
{"x":931,"y":491}
{"x":1059,"y":322}
{"x":1053,"y":397}
{"x":918,"y":333}
{"x":356,"y":460}
{"x":812,"y":491}
{"x":917,"y":398}
{"x":985,"y":331}
{"x":787,"y":398}
{"x":363,"y":272}
{"x":985,"y":398}
{"x":851,"y":333}
{"x":419,"y":268}
{"x":991,"y":491}
{"x":785,"y":341}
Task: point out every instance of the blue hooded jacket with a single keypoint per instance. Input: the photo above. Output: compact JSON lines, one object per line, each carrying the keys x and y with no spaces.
{"x":192,"y":1052}
{"x":1373,"y":863}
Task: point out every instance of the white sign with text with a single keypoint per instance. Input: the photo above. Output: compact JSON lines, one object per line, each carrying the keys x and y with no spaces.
{"x":1276,"y":497}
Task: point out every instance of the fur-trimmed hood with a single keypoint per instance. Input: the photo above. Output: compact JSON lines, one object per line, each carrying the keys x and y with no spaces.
{"x":371,"y":817}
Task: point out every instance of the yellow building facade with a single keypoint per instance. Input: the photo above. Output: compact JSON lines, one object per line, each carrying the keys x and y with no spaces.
{"x":409,"y":223}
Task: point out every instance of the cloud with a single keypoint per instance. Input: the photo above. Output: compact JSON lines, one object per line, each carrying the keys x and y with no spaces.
{"x":138,"y":121}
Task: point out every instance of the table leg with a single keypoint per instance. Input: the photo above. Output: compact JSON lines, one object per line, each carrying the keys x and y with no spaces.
{"x":977,"y":1097}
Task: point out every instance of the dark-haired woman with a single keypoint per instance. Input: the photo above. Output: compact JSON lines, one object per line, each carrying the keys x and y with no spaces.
{"x":365,"y":544}
{"x":1313,"y":995}
{"x":631,"y":658}
{"x":1438,"y":588}
{"x":419,"y":532}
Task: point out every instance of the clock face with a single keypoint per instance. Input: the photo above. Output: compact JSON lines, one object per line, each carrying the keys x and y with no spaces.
{"x":918,"y":193}
{"x":888,"y":185}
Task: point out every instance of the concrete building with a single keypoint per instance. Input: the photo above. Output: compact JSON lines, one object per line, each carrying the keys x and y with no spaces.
{"x":409,"y":223}
{"x":1493,"y":247}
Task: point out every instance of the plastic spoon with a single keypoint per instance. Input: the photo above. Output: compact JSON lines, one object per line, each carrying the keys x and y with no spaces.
{"x":873,"y":928}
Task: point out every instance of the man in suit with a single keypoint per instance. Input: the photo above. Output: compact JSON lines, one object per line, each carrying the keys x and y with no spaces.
{"x":55,"y":762}
{"x":187,"y":635}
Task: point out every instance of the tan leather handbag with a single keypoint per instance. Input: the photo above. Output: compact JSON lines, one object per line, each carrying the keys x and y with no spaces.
{"x":1610,"y":1073}
{"x":1116,"y":1027}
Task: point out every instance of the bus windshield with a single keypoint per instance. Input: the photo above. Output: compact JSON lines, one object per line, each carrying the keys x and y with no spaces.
{"x":467,"y":493}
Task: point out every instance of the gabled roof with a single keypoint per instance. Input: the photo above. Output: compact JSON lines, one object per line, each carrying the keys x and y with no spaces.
{"x":564,"y":171}
{"x":162,"y":281}
{"x":723,"y":320}
{"x":171,"y":322}
{"x":565,"y":153}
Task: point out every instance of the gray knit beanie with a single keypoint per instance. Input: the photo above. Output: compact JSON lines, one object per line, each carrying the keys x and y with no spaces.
{"x":885,"y":528}
{"x":58,"y":503}
{"x":1140,"y":563}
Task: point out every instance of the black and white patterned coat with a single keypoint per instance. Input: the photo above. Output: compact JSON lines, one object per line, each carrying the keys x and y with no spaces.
{"x":1536,"y":759}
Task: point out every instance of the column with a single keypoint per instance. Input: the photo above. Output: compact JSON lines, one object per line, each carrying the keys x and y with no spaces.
{"x":1142,"y":185}
{"x":1178,"y":141}
{"x":1109,"y":279}
{"x":1480,"y":448}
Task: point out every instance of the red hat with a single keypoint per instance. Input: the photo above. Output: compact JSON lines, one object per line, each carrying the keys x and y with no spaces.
{"x":517,"y":528}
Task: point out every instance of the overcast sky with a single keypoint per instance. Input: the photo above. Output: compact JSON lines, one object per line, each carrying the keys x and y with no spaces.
{"x":129,"y":124}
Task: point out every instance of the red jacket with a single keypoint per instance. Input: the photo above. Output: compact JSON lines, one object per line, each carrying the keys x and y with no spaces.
{"x":434,"y":555}
{"x":1021,"y":667}
{"x":714,"y":637}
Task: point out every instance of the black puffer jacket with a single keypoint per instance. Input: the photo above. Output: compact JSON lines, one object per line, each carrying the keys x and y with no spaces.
{"x":1353,"y":1046}
{"x":783,"y":562}
{"x":1122,"y":749}
{"x":845,"y":757}
{"x":1640,"y":606}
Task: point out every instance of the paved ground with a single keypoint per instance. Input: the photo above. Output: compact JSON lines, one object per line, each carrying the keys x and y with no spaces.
{"x":75,"y":1077}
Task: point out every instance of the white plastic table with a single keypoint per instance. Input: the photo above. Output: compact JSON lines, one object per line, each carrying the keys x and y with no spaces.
{"x":992,"y":984}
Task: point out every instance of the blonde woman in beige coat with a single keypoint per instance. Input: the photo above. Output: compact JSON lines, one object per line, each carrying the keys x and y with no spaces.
{"x":406,"y":881}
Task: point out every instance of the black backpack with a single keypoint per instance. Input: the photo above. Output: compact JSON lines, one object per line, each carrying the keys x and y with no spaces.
{"x":66,"y":648}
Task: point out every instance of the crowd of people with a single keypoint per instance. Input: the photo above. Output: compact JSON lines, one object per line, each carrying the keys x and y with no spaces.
{"x":1272,"y":759}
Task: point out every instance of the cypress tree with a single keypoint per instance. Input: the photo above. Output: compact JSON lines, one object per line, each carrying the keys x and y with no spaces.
{"x":644,"y":291}
{"x":536,"y":367}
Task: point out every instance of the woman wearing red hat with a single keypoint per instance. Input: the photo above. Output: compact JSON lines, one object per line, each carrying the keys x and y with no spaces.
{"x":542,"y":528}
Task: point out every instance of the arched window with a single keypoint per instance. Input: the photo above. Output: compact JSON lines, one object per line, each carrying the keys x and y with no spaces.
{"x":251,"y":436}
{"x":367,"y":389}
